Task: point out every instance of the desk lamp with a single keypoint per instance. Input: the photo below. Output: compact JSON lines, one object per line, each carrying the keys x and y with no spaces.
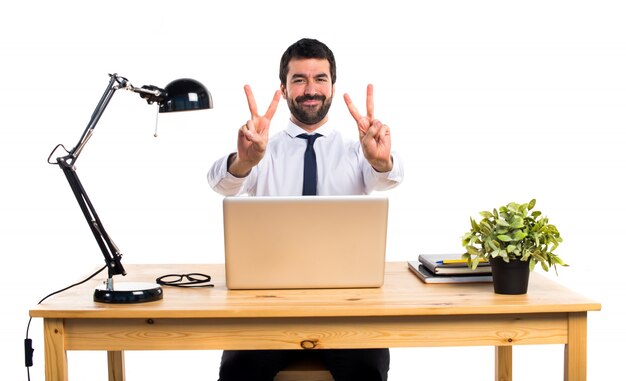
{"x":179,"y":95}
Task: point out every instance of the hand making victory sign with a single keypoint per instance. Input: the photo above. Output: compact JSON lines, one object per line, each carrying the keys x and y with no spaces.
{"x":253,"y":136}
{"x":374,"y":135}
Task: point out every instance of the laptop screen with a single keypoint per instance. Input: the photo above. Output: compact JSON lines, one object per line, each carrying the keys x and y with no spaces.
{"x":305,"y":241}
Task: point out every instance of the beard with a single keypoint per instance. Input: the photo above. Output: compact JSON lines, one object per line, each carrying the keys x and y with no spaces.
{"x":309,"y":115}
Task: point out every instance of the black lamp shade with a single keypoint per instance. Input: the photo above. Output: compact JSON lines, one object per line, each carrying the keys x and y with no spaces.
{"x":185,"y":94}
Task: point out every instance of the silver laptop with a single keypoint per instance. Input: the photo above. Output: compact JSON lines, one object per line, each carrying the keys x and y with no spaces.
{"x":305,"y":242}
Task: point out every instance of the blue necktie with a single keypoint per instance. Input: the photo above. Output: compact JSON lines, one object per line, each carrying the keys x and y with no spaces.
{"x":309,"y":185}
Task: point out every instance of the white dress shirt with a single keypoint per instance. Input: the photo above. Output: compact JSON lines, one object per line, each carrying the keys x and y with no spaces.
{"x":341,"y":168}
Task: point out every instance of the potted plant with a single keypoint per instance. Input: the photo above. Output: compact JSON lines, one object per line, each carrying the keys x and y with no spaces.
{"x":513,"y":238}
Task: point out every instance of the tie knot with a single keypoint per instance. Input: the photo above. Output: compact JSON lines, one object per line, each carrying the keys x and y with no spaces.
{"x":310,"y":138}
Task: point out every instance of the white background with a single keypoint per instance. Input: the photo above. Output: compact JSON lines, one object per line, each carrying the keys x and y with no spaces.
{"x":488,"y":102}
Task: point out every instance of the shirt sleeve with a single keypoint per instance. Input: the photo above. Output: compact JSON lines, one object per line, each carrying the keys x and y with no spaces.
{"x":379,"y":181}
{"x":222,"y":181}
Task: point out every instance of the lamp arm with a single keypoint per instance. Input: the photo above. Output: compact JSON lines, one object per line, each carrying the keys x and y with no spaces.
{"x":111,"y":252}
{"x":112,"y":255}
{"x":116,"y":82}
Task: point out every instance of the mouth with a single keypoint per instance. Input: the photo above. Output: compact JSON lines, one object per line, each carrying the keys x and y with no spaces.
{"x":310,"y":101}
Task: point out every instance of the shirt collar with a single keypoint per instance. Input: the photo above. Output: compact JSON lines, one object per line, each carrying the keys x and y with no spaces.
{"x":293,"y":130}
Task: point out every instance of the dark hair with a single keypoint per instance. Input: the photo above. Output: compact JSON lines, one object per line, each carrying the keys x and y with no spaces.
{"x":307,"y":48}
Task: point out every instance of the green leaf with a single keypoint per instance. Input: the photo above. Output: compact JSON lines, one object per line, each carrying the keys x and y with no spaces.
{"x":517,"y":222}
{"x":486,"y":214}
{"x":502,"y":222}
{"x":531,"y":204}
{"x":559,"y":261}
{"x":504,"y":238}
{"x":473,"y":224}
{"x":495,"y":246}
{"x":502,"y":230}
{"x":513,"y":207}
{"x":472,"y":250}
{"x":485,"y":229}
{"x":523,"y":209}
{"x":475,"y":262}
{"x":519,"y":235}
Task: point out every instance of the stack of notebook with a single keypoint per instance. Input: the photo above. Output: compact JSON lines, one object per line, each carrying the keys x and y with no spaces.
{"x":449,"y":268}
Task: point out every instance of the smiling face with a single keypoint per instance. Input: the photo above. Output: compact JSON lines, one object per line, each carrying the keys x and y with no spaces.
{"x":309,"y":92}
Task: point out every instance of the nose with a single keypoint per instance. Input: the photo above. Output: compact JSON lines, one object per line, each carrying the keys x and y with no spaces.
{"x":309,"y":89}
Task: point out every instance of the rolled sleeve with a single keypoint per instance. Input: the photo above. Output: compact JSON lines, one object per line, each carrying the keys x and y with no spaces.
{"x":222,"y":181}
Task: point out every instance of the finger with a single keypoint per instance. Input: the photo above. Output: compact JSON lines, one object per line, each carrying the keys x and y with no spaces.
{"x":249,"y":130}
{"x":352,"y":108}
{"x":363,"y":125}
{"x":251,"y":100}
{"x":370,"y":101}
{"x":377,"y":131}
{"x":383,"y":132}
{"x":254,"y":136}
{"x":251,"y":126}
{"x":374,"y":130}
{"x":244,"y":131}
{"x":271,"y":110}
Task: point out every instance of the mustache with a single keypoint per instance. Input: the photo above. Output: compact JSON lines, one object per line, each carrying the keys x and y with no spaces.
{"x":304,"y":98}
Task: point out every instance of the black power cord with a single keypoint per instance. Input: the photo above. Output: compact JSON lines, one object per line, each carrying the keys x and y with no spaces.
{"x":28,"y":343}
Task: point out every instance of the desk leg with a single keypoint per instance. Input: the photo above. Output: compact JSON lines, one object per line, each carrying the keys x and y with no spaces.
{"x":116,"y":365}
{"x":576,"y":348}
{"x":54,"y":350}
{"x":504,"y":363}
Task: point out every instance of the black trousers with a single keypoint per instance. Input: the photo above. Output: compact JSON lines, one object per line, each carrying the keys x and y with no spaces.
{"x":343,"y":364}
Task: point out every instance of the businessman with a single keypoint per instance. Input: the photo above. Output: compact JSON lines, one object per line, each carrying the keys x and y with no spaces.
{"x":309,"y":157}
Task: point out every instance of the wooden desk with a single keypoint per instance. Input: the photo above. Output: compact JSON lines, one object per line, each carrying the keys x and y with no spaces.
{"x":403,"y":313}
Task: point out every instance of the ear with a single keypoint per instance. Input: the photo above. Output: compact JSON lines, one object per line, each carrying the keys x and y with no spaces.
{"x":283,"y":91}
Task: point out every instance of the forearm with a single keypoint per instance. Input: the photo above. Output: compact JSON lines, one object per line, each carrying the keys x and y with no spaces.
{"x":382,"y":165}
{"x":238,"y":167}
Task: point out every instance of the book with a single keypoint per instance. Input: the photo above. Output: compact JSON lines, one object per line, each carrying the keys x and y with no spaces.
{"x":441,"y":264}
{"x":428,"y":277}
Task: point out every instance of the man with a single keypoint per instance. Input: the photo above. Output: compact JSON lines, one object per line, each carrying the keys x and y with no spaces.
{"x":275,"y":167}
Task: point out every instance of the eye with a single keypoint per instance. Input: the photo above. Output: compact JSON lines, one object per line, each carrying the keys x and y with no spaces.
{"x":321,"y":78}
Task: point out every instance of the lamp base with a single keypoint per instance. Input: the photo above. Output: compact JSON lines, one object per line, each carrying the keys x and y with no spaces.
{"x":128,"y":293}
